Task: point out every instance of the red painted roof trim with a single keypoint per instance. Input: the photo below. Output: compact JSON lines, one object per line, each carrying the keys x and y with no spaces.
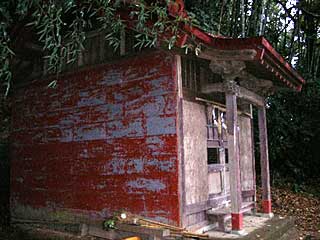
{"x":267,"y":56}
{"x":177,"y":9}
{"x":284,"y":63}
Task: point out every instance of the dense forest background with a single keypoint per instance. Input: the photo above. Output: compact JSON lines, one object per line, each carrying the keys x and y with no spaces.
{"x":293,"y":28}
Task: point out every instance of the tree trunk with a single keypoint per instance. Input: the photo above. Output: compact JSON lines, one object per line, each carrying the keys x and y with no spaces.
{"x":221,"y":15}
{"x":262,"y":16}
{"x":243,"y":24}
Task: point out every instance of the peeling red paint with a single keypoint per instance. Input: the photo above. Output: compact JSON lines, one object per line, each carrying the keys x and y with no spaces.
{"x":104,"y":140}
{"x":237,"y":221}
{"x":266,"y":206}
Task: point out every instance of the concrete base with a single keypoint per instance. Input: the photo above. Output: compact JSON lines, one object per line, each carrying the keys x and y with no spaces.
{"x":265,"y":215}
{"x":257,"y":227}
{"x":206,"y":228}
{"x":239,"y":232}
{"x":254,"y":228}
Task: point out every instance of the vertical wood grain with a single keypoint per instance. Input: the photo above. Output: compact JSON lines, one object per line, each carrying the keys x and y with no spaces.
{"x":264,"y":156}
{"x":233,"y":151}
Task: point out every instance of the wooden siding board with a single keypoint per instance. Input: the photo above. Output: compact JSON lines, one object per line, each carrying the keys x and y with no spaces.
{"x":195,"y":152}
{"x":253,"y":155}
{"x":245,"y":153}
{"x":182,"y":189}
{"x":215,"y":182}
{"x":99,"y":129}
{"x":233,"y":151}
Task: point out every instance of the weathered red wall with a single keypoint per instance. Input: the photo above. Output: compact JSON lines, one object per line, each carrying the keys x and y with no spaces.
{"x":103,"y":140}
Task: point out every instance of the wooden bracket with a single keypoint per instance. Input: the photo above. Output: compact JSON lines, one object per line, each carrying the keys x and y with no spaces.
{"x":228,"y":55}
{"x":229,"y":70}
{"x":236,"y":69}
{"x":232,"y":87}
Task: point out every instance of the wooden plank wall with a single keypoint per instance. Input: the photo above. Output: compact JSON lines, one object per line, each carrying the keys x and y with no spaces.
{"x":245,"y":140}
{"x":203,"y":187}
{"x":195,"y":152}
{"x":195,"y":160}
{"x":104,"y":140}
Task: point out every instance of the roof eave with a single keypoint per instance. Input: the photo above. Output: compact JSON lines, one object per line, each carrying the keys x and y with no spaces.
{"x":266,"y":56}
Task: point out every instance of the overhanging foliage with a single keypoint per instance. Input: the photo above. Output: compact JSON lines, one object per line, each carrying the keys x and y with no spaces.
{"x":61,"y":27}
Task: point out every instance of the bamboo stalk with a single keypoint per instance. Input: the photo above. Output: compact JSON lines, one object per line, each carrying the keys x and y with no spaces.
{"x":197,"y":235}
{"x":189,"y":234}
{"x":174,"y":231}
{"x":162,"y":224}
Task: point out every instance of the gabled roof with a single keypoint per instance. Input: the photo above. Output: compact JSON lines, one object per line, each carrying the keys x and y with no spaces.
{"x":267,"y":63}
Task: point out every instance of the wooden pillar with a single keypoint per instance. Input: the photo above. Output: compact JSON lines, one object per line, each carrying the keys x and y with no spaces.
{"x":222,"y":160}
{"x":253,"y":159}
{"x":234,"y":163}
{"x":264,"y":161}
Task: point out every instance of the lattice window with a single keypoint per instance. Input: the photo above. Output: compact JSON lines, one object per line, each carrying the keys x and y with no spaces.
{"x":216,"y":135}
{"x":191,"y":74}
{"x":213,"y":155}
{"x":216,"y":127}
{"x":196,"y":73}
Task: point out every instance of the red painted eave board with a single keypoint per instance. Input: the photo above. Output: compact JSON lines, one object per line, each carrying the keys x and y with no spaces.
{"x":267,"y":58}
{"x":266,"y":55}
{"x":282,"y":61}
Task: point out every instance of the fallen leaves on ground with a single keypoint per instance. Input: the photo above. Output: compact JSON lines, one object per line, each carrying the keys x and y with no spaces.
{"x":303,"y":206}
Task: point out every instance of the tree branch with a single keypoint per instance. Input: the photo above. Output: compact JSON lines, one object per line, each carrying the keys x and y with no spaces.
{"x":288,"y":12}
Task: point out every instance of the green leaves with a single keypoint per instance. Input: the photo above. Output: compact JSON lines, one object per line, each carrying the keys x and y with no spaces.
{"x":47,"y":19}
{"x":293,"y":129}
{"x":5,"y":51}
{"x":61,"y":27}
{"x":109,"y":224}
{"x":114,"y":35}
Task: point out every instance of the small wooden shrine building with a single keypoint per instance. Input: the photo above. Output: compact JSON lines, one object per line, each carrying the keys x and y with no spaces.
{"x":158,"y":133}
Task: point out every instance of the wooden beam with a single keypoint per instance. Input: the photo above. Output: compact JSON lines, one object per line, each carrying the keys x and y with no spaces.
{"x":241,"y":92}
{"x":228,"y":55}
{"x":248,"y":193}
{"x":220,"y":106}
{"x":182,"y":188}
{"x":252,"y":97}
{"x":227,"y":69}
{"x":179,"y":75}
{"x":234,"y":162}
{"x":264,"y":161}
{"x":196,"y":208}
{"x":213,"y":87}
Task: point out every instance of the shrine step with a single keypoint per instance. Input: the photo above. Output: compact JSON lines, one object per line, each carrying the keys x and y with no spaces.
{"x":222,"y":215}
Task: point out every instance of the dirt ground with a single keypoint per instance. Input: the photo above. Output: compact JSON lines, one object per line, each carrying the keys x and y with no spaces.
{"x":287,"y":201}
{"x":301,"y":202}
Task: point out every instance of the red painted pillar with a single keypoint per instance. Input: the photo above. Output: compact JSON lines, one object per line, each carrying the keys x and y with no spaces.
{"x":264,"y":161}
{"x":234,"y":162}
{"x":237,"y":221}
